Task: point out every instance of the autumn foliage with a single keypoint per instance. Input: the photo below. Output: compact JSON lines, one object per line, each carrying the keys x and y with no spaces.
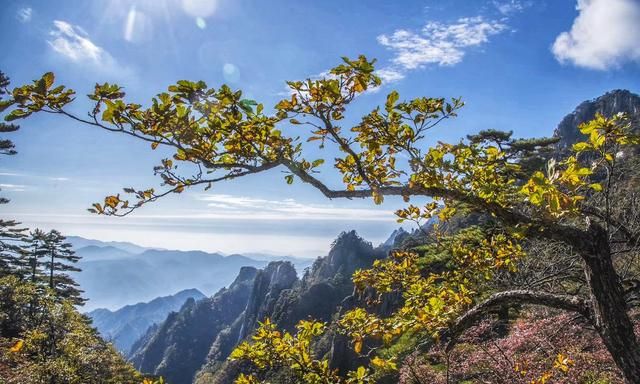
{"x":524,"y":193}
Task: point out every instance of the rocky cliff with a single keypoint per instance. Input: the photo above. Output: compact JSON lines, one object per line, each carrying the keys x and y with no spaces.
{"x":319,"y":294}
{"x":127,"y":324}
{"x":608,"y":104}
{"x":178,"y":347}
{"x":201,"y":335}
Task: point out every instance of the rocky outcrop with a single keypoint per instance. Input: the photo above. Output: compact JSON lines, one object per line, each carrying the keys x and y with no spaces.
{"x":318,"y":295}
{"x":179,"y":346}
{"x":201,"y":336}
{"x":608,"y":105}
{"x":127,"y":324}
{"x":396,"y":237}
{"x":349,"y":252}
{"x":267,"y":286}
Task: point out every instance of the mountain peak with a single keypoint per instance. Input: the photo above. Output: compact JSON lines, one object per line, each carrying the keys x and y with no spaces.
{"x":397,"y":234}
{"x":609,"y":104}
{"x":348,"y":252}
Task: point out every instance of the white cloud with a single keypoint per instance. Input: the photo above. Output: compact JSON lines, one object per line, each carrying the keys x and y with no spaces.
{"x":13,"y":187}
{"x":74,"y":43}
{"x":13,"y":174}
{"x":437,"y":43}
{"x":606,"y":34}
{"x":389,"y":75}
{"x":24,"y":15}
{"x":34,"y":176}
{"x":509,"y":7}
{"x":228,"y":206}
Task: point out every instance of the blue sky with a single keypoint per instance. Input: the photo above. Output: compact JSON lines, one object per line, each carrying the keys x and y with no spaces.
{"x":519,"y":65}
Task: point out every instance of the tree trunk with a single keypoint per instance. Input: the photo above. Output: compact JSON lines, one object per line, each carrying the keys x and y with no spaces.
{"x":609,"y":307}
{"x":51,"y":272}
{"x":501,"y":328}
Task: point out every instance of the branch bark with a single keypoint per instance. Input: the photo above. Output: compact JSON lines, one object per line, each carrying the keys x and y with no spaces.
{"x":509,"y":298}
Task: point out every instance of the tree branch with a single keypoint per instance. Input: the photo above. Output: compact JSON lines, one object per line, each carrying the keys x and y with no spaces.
{"x":565,"y":302}
{"x":632,"y":238}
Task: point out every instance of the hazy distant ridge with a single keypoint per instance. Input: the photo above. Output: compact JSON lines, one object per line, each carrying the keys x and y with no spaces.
{"x":126,"y":325}
{"x":115,"y":274}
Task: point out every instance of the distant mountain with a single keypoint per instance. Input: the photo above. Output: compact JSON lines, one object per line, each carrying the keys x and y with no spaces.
{"x":300,"y":262}
{"x":95,"y":252}
{"x":177,"y":348}
{"x":194,"y":343}
{"x":127,"y":324}
{"x":608,"y":104}
{"x":112,"y":282}
{"x":396,"y":237}
{"x":80,"y":242}
{"x":115,"y":274}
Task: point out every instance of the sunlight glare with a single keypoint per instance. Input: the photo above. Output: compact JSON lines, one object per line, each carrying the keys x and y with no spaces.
{"x":199,"y":8}
{"x":137,"y":26}
{"x":231,"y":73}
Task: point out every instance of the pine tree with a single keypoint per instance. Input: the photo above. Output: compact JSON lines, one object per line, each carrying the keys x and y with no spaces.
{"x":38,"y":249}
{"x":11,"y":235}
{"x":6,"y":146}
{"x":12,"y":249}
{"x":60,"y":259}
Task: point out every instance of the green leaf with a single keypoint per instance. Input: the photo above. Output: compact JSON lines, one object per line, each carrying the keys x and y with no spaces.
{"x":4,"y":104}
{"x":596,"y":187}
{"x":391,"y":100}
{"x":48,"y":78}
{"x":16,"y":114}
{"x":581,"y":146}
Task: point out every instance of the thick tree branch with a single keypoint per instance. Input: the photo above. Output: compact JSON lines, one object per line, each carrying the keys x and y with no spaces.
{"x":565,"y":302}
{"x":537,"y":227}
{"x":632,"y":238}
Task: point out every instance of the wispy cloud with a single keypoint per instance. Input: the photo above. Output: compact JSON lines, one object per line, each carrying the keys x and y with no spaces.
{"x":12,"y":174}
{"x":437,"y":43}
{"x":13,"y":187}
{"x":224,"y":206}
{"x":74,"y":44}
{"x":604,"y":35}
{"x":443,"y":44}
{"x":390,"y":75}
{"x":509,"y":7}
{"x":34,"y":176}
{"x":24,"y":15}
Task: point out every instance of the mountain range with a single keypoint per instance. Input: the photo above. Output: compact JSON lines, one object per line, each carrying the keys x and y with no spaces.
{"x":127,"y":324}
{"x":196,"y":340}
{"x":115,"y":274}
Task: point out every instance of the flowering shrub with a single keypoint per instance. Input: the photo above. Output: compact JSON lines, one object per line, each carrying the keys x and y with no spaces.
{"x":541,"y":347}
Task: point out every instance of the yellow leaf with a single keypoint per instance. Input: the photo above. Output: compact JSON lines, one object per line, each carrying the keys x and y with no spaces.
{"x":111,"y":201}
{"x":581,"y":146}
{"x":357,"y":346}
{"x":17,"y":346}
